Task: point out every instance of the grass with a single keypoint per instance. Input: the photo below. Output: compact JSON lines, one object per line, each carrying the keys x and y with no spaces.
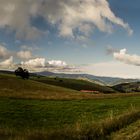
{"x":131,"y":132}
{"x":52,"y":114}
{"x":34,"y":110}
{"x":99,"y":130}
{"x":11,"y":86}
{"x":80,"y":131}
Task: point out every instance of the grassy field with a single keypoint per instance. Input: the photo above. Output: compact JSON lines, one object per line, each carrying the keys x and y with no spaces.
{"x":54,"y":114}
{"x":20,"y":115}
{"x":35,"y":110}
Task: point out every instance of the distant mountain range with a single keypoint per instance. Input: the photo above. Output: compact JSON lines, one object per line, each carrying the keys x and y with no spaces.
{"x":97,"y":79}
{"x":109,"y":81}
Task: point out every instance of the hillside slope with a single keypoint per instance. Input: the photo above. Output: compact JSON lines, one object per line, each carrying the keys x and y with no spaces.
{"x":15,"y":87}
{"x":75,"y":84}
{"x":128,"y":87}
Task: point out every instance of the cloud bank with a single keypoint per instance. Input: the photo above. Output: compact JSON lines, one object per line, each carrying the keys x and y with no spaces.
{"x":32,"y":63}
{"x":126,"y":65}
{"x":4,"y":53}
{"x":24,"y":54}
{"x":122,"y":56}
{"x":72,"y":18}
{"x":113,"y":69}
{"x":7,"y":63}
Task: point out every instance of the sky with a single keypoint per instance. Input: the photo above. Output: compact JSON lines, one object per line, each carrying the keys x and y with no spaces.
{"x":99,"y":37}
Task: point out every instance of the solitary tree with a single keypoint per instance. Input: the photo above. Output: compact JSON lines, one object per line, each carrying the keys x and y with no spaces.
{"x":22,"y":73}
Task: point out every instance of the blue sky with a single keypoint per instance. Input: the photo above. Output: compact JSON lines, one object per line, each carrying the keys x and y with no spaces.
{"x":85,"y":36}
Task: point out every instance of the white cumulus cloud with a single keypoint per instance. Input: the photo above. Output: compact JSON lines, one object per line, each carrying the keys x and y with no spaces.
{"x":35,"y":63}
{"x":69,"y":16}
{"x":122,"y":56}
{"x":8,"y":63}
{"x":83,"y":15}
{"x":16,"y":16}
{"x":58,"y":63}
{"x":24,"y":54}
{"x":4,"y":53}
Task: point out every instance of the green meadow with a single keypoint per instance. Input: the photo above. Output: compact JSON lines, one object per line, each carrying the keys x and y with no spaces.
{"x":34,"y":110}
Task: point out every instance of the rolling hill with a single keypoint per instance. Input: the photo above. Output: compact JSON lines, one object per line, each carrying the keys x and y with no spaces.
{"x":15,"y":87}
{"x":127,"y":87}
{"x":75,"y":84}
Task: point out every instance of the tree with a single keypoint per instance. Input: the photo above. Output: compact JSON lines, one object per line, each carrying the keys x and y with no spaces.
{"x":22,"y":73}
{"x":26,"y":74}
